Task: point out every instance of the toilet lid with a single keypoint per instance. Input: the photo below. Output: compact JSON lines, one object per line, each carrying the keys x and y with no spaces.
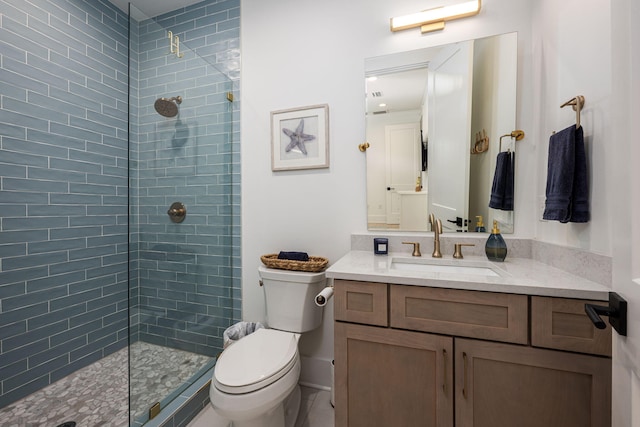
{"x":255,"y":361}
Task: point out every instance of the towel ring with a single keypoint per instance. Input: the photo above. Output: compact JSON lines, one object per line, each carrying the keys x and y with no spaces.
{"x":517,"y":134}
{"x":577,"y":104}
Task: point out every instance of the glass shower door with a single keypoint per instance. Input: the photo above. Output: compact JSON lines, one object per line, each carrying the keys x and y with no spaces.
{"x":182,"y":215}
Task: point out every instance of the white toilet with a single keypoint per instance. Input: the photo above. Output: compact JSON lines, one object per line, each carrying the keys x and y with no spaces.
{"x":255,"y":380}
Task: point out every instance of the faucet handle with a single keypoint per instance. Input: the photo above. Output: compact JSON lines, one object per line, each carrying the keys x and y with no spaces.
{"x":457,"y":249}
{"x":416,"y":248}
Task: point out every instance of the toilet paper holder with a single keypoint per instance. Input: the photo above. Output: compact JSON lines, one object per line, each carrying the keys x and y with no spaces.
{"x":324,"y":296}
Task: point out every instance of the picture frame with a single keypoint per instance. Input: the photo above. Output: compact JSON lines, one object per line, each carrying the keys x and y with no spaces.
{"x":300,"y":138}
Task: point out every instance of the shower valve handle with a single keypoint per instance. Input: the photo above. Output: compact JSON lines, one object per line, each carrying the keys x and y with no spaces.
{"x":177,"y":212}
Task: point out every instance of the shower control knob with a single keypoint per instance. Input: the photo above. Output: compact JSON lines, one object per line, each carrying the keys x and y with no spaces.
{"x":177,"y":212}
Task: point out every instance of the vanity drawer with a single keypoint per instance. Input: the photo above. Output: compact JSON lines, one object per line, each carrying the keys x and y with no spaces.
{"x":361,"y":302}
{"x":482,"y":315}
{"x":562,"y":324}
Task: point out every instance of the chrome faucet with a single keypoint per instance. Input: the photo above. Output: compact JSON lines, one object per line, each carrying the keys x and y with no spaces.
{"x":436,"y":226}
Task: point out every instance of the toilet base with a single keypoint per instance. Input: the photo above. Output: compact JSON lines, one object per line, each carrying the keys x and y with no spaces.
{"x":283,"y":415}
{"x":292,"y":407}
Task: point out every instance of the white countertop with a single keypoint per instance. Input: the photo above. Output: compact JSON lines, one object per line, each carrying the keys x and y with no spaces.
{"x":517,"y":276}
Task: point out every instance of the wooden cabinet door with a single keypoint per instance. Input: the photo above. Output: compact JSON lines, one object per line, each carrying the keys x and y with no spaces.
{"x":510,"y":385}
{"x":386,"y":377}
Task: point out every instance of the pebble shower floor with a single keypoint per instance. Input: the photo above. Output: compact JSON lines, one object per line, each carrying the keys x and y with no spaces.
{"x":97,"y":395}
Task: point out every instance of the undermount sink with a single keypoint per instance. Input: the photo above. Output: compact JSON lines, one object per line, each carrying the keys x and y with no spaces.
{"x":427,"y":265}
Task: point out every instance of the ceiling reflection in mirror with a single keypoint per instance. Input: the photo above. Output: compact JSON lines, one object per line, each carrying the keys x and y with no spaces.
{"x":434,"y":118}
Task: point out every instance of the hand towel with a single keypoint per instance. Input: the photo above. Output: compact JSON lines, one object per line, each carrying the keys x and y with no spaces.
{"x":567,"y":193}
{"x":294,"y":256}
{"x":580,"y":195}
{"x":507,"y":204}
{"x":503,"y":182}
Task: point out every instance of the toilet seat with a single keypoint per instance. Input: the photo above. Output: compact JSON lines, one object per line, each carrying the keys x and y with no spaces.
{"x":255,"y":361}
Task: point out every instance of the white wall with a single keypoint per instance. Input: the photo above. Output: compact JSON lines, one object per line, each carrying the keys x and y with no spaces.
{"x":572,"y":56}
{"x":298,"y":53}
{"x":304,"y":52}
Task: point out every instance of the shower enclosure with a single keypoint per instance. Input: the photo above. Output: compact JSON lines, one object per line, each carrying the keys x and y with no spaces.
{"x":183,"y":209}
{"x":119,"y":198}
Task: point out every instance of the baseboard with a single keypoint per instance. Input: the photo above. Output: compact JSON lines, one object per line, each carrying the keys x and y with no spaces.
{"x":315,"y":373}
{"x":316,"y":386}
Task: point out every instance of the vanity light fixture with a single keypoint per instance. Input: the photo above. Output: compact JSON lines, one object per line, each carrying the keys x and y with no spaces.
{"x":434,"y":19}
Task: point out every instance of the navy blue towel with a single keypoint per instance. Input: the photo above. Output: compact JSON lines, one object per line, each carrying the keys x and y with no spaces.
{"x":567,"y":195}
{"x":580,"y":200}
{"x":293,"y":256}
{"x":502,"y":188}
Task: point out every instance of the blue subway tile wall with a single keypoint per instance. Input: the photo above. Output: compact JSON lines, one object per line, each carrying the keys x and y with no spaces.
{"x":187,"y":274}
{"x":63,"y":189}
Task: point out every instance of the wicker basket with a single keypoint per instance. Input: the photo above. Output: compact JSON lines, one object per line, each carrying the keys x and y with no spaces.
{"x":314,"y":265}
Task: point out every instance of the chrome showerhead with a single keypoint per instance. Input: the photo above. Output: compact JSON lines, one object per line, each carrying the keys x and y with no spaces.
{"x":167,"y":107}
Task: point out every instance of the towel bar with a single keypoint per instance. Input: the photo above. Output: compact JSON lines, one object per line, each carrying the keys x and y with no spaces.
{"x":577,"y":104}
{"x":517,"y":134}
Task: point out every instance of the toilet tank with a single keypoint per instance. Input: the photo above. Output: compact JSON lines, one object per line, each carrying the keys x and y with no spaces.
{"x":290,"y":299}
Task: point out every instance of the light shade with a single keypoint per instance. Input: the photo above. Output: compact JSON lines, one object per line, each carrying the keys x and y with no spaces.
{"x":434,"y":19}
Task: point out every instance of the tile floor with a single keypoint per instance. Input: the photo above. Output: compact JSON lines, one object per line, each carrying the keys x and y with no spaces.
{"x":158,"y":371}
{"x":89,"y":402}
{"x":315,"y":410}
{"x":96,"y":395}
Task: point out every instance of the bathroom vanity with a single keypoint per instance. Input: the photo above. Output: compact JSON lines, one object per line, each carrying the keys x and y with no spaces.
{"x":419,"y":346}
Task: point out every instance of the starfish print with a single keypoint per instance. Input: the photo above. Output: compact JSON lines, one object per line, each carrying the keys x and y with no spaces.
{"x":298,"y":138}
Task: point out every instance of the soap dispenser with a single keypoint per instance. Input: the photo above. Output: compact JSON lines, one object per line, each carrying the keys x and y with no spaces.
{"x":495,"y":248}
{"x":479,"y":224}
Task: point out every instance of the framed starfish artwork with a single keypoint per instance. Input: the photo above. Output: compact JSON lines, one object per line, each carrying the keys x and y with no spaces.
{"x":300,"y":138}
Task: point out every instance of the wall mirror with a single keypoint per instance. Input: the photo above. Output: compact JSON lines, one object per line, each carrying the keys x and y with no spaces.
{"x":434,"y":118}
